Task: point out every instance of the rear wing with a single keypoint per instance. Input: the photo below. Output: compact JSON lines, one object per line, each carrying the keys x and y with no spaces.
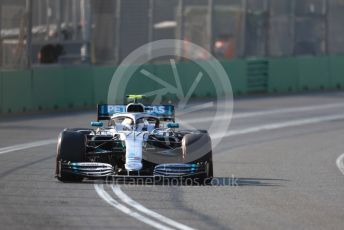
{"x":164,"y":112}
{"x":105,"y":111}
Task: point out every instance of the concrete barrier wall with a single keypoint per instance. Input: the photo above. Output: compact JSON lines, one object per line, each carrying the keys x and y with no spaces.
{"x":286,"y":75}
{"x":237,"y":72}
{"x":16,"y":91}
{"x":52,"y":88}
{"x":101,"y":79}
{"x":62,"y":88}
{"x":306,"y":73}
{"x":1,"y":92}
{"x":314,"y":73}
{"x":336,"y":70}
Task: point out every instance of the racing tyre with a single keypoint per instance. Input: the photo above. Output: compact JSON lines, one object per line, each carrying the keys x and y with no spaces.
{"x":70,"y":148}
{"x":197,"y":149}
{"x":210,"y":170}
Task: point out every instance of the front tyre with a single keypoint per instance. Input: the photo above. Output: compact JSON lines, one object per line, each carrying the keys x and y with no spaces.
{"x":71,"y":147}
{"x":209,"y":170}
{"x":197,"y":149}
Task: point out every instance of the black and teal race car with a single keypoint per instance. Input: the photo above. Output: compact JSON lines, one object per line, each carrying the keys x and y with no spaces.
{"x":138,"y":142}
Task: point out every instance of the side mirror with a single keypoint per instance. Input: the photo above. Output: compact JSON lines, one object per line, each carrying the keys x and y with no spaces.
{"x":173,"y":125}
{"x":96,"y":123}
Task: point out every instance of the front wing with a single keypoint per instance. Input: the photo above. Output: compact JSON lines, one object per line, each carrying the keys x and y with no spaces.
{"x":161,"y":171}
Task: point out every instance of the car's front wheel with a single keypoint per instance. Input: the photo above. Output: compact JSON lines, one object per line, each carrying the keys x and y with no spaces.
{"x":70,"y":148}
{"x":197,"y":149}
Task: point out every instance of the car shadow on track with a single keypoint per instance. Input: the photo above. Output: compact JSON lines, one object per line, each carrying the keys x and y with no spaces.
{"x":234,"y":181}
{"x":214,"y":182}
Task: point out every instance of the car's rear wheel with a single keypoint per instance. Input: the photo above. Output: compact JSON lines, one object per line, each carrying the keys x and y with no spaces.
{"x":70,"y":148}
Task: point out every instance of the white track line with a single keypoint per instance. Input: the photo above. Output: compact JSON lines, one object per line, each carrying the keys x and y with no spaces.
{"x":278,"y":125}
{"x":340,"y":163}
{"x":264,"y":113}
{"x":289,"y":110}
{"x":126,"y":199}
{"x":105,"y":196}
{"x":14,"y":148}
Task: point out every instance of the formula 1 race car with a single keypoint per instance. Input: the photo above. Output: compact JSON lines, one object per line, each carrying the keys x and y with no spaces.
{"x":139,"y":141}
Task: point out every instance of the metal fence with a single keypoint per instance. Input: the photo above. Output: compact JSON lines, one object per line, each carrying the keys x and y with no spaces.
{"x":55,"y":32}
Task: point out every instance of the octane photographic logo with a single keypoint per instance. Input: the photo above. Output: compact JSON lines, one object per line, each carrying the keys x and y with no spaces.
{"x":211,"y":112}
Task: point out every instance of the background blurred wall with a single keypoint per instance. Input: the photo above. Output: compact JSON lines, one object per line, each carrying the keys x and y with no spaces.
{"x":103,"y":32}
{"x":76,"y":87}
{"x":61,"y":54}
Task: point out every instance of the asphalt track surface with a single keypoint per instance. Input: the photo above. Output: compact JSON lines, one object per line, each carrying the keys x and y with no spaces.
{"x":279,"y":168}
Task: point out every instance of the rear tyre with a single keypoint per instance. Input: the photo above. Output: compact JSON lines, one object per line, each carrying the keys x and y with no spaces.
{"x":70,"y":148}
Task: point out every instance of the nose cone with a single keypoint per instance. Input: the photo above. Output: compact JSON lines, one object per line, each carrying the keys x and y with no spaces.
{"x":133,"y":157}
